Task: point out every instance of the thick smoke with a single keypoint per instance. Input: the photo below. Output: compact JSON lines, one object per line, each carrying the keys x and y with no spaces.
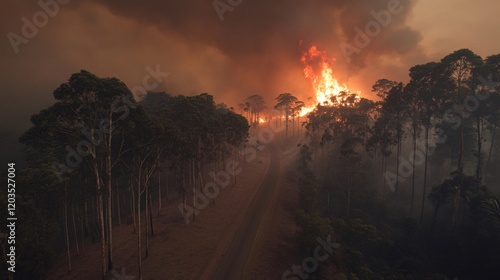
{"x":254,"y":50}
{"x":259,"y":40}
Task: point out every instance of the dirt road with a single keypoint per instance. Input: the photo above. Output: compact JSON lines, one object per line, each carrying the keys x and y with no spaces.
{"x":233,"y":262}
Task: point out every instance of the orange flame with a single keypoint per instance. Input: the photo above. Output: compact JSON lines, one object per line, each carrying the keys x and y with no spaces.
{"x":325,"y":85}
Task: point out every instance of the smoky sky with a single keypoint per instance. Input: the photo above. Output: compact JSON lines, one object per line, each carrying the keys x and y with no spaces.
{"x":254,"y":50}
{"x":259,"y":39}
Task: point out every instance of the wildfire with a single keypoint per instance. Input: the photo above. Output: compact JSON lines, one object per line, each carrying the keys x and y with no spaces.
{"x":261,"y":120}
{"x":328,"y":90}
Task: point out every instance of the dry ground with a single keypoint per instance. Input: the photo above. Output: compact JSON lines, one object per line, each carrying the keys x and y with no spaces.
{"x":179,"y":251}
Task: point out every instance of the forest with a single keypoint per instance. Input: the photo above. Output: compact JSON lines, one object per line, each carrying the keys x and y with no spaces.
{"x":406,"y":184}
{"x":126,"y":145}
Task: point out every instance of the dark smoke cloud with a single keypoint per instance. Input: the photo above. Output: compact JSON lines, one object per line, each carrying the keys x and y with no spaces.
{"x":255,"y":50}
{"x":260,"y":38}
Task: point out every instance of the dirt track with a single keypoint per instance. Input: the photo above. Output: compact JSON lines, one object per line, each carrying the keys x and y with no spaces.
{"x":232,"y":264}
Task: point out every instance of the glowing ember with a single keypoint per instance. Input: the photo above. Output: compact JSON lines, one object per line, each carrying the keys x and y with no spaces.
{"x":261,"y":120}
{"x":328,"y":90}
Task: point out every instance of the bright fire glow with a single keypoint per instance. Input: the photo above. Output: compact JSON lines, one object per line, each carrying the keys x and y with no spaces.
{"x":261,"y":120}
{"x":325,"y":85}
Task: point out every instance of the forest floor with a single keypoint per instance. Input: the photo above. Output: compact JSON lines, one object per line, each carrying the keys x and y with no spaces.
{"x":179,"y":251}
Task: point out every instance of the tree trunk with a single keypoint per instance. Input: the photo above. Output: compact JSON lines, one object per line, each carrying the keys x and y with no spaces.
{"x":184,"y":202}
{"x":297,"y":120}
{"x":151,"y":215}
{"x":82,"y":227}
{"x":479,"y":151}
{"x":159,"y":191}
{"x":109,"y":193}
{"x":100,"y":215}
{"x":456,"y":204}
{"x":490,"y":152}
{"x":414,"y":171}
{"x":384,"y":168}
{"x":75,"y":232}
{"x":425,"y":173}
{"x":66,"y":232}
{"x":147,"y":217}
{"x":192,"y":181}
{"x":286,"y":125}
{"x":110,"y":222}
{"x":235,"y":160}
{"x":398,"y":152}
{"x":139,"y":249}
{"x":93,"y":222}
{"x":132,"y":204}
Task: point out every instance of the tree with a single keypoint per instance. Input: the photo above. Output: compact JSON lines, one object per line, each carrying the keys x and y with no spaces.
{"x":393,"y":117}
{"x":88,"y":113}
{"x":439,"y":196}
{"x":414,"y":113}
{"x":296,"y":111}
{"x":200,"y":131}
{"x":382,"y":87}
{"x":255,"y":105}
{"x":285,"y":103}
{"x":141,"y":158}
{"x":491,"y":207}
{"x":428,"y":85}
{"x":38,"y":205}
{"x":351,"y":159}
{"x":346,"y":122}
{"x":492,"y":75}
{"x":462,"y":66}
